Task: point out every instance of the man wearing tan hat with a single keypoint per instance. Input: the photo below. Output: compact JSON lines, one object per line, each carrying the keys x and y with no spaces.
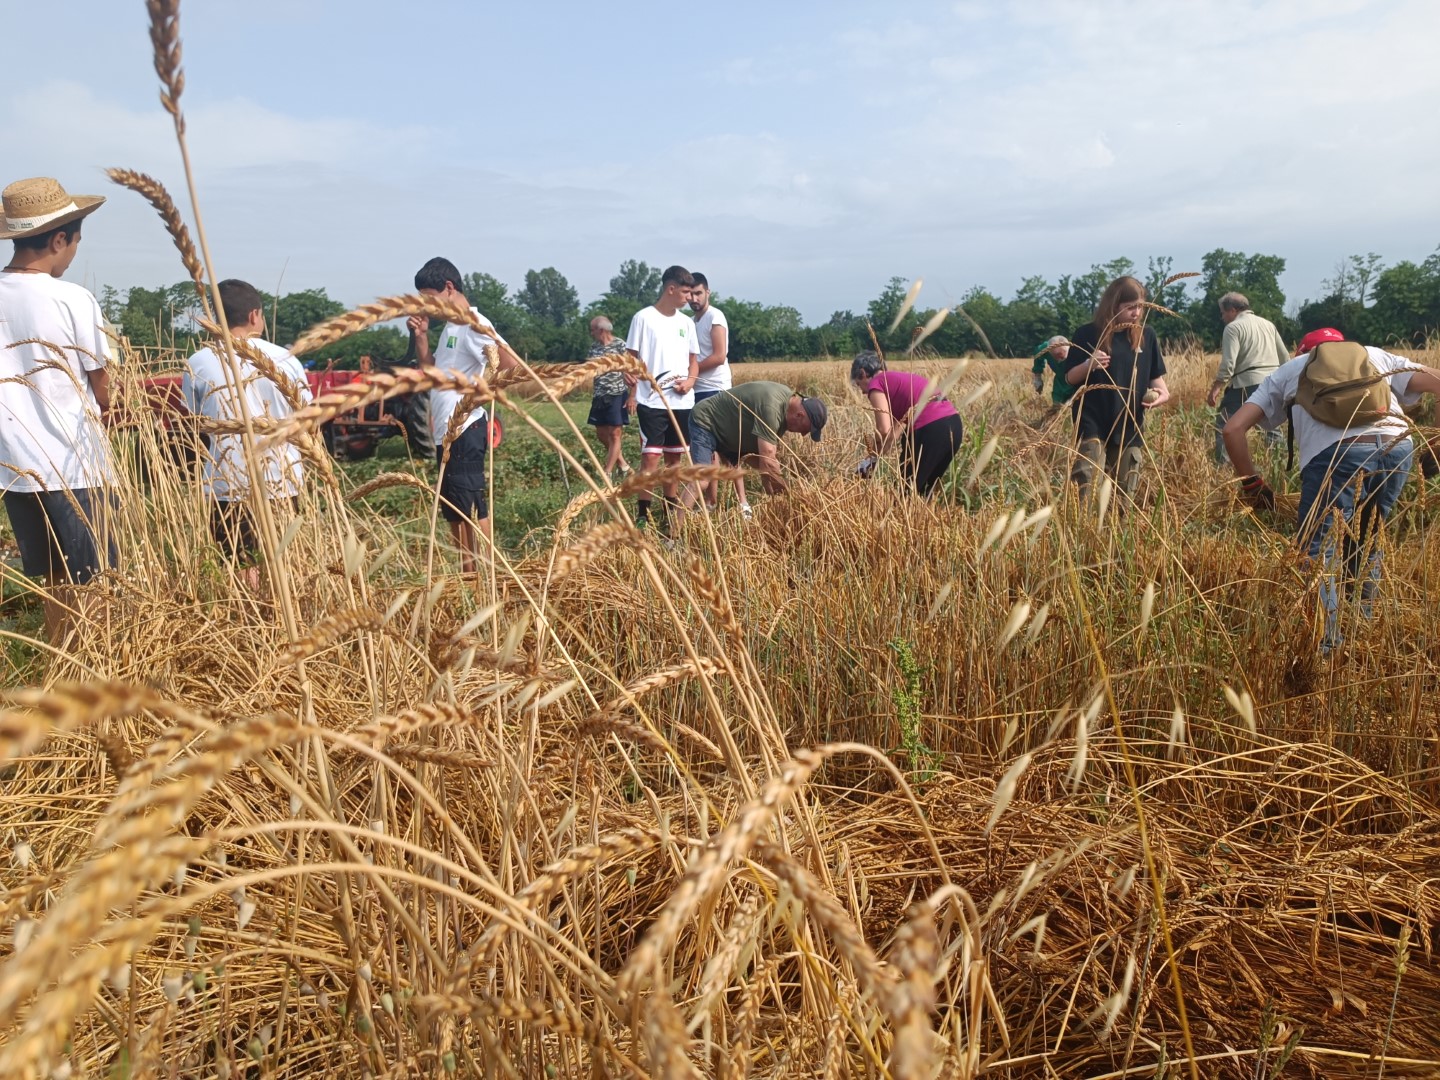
{"x":54,"y":457}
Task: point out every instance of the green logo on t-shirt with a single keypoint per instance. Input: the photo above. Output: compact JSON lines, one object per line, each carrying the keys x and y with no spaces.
{"x":450,"y":342}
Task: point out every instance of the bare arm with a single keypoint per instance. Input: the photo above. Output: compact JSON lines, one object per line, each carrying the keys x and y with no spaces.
{"x":419,"y":327}
{"x":1424,"y":381}
{"x":885,"y":426}
{"x":1080,"y":372}
{"x":1236,"y":444}
{"x":767,"y":461}
{"x":689,"y":380}
{"x":99,"y":380}
{"x":718,"y":344}
{"x":507,"y":358}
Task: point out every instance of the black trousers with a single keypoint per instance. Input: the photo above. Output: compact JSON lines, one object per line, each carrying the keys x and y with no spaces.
{"x":925,"y":453}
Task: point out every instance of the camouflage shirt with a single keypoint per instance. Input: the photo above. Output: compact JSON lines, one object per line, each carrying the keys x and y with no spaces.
{"x":612,"y":382}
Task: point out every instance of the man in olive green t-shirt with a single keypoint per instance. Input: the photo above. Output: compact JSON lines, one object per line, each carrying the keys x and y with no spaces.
{"x":745,"y":424}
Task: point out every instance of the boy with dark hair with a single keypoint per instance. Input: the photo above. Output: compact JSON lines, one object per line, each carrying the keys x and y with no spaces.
{"x":712,"y":330}
{"x":663,"y":338}
{"x":209,"y":389}
{"x":462,"y":349}
{"x":54,"y":457}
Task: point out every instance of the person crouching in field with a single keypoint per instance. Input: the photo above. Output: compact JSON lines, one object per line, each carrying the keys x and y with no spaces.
{"x":1344,"y":401}
{"x":743,"y":426}
{"x":928,"y":431}
{"x":463,"y":492}
{"x":55,"y":464}
{"x":1053,"y":354}
{"x":1115,"y":364}
{"x":209,"y":390}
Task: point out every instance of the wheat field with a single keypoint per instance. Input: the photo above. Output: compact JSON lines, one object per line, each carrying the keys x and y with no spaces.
{"x":998,"y":785}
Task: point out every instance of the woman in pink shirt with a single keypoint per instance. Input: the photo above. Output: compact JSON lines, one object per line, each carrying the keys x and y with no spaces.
{"x":928,"y":436}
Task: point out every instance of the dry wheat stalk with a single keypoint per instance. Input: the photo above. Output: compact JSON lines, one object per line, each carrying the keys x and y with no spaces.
{"x":711,"y":865}
{"x":550,"y":880}
{"x":917,"y":957}
{"x":165,"y":41}
{"x":434,"y":714}
{"x":821,"y":905}
{"x":384,"y":310}
{"x":658,"y":680}
{"x":153,"y":192}
{"x":328,"y":631}
{"x":636,"y":481}
{"x":602,"y":538}
{"x":708,"y":590}
{"x":378,"y":387}
{"x":446,"y":759}
{"x":36,"y":714}
{"x":388,"y":480}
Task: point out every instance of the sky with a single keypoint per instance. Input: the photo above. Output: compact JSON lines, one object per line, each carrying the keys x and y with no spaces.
{"x":797,"y":153}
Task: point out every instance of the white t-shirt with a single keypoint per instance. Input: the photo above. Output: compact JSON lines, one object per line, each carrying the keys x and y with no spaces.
{"x":1313,"y":438}
{"x":665,"y":343}
{"x":209,"y":391}
{"x":461,"y":350}
{"x":716,"y":378}
{"x":50,"y":433}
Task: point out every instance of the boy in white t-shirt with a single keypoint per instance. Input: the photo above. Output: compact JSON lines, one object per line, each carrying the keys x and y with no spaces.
{"x":462,"y":349}
{"x":713,"y":331}
{"x":54,"y":456}
{"x":664,"y":340}
{"x":208,"y":389}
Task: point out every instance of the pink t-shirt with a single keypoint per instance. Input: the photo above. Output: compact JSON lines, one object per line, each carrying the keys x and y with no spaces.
{"x":902,"y":389}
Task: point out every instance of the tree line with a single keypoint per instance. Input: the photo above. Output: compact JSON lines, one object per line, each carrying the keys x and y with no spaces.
{"x":544,"y":320}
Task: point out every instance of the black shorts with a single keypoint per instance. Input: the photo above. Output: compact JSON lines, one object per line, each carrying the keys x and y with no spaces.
{"x":660,"y":434}
{"x":608,"y":410}
{"x":463,"y":489}
{"x":56,"y":533}
{"x":233,"y":525}
{"x":926,"y":452}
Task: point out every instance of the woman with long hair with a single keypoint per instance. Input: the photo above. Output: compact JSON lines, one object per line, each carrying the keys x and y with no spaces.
{"x":928,"y":429}
{"x":1115,"y":362}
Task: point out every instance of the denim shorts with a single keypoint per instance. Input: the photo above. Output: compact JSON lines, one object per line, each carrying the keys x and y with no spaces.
{"x":56,"y":533}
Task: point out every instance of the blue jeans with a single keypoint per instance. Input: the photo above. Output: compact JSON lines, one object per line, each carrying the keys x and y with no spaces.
{"x":1329,"y":484}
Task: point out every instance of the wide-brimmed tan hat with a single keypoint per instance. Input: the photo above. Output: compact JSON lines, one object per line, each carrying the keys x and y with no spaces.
{"x":40,"y":204}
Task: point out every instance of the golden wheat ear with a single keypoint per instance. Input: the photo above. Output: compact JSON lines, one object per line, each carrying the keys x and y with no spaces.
{"x":153,"y":192}
{"x":1179,"y":277}
{"x":165,"y":40}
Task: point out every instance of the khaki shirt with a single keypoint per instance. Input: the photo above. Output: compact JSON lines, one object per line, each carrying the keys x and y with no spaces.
{"x":1250,"y":349}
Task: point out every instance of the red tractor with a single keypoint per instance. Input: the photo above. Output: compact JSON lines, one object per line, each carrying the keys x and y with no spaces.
{"x":353,"y":435}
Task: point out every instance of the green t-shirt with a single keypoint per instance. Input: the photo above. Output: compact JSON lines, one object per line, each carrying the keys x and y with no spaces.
{"x":741,"y":417}
{"x":1060,"y":390}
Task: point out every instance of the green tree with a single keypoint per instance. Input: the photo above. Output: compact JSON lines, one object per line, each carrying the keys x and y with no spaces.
{"x":637,"y":282}
{"x":548,"y":297}
{"x":145,"y":317}
{"x":297,"y":312}
{"x":1256,"y":276}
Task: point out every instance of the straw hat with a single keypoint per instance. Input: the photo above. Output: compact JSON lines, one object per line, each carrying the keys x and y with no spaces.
{"x":38,"y":205}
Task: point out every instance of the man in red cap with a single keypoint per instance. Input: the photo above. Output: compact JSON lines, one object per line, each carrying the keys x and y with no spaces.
{"x":1345,"y":405}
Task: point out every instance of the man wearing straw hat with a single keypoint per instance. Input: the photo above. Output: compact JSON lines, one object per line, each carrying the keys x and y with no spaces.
{"x":54,"y":457}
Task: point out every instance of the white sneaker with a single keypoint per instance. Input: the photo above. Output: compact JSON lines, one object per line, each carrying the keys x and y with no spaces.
{"x":746,"y":512}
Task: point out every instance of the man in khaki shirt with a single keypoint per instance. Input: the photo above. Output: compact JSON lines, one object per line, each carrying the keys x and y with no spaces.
{"x":1250,"y":349}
